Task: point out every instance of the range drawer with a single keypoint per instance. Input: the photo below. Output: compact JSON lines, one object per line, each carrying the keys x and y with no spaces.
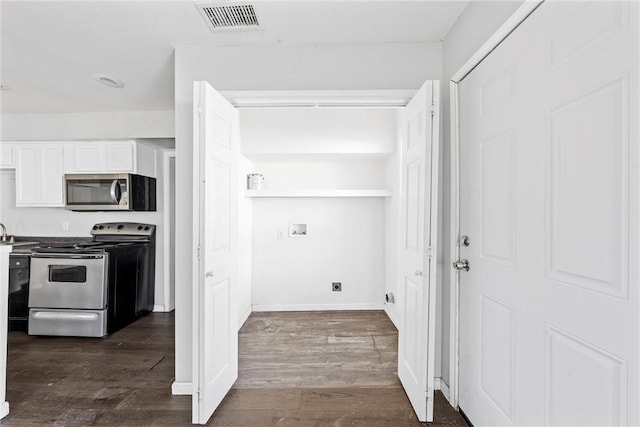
{"x":70,"y":323}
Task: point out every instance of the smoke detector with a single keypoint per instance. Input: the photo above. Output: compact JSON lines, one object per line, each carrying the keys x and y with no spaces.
{"x":229,"y":16}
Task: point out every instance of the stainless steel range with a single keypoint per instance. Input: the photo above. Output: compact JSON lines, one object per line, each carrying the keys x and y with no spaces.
{"x":92,"y":289}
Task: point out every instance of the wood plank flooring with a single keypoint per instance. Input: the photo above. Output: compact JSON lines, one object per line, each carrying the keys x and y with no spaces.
{"x":296,"y":369}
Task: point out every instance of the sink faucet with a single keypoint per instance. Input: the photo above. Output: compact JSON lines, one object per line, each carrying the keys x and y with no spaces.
{"x":4,"y":232}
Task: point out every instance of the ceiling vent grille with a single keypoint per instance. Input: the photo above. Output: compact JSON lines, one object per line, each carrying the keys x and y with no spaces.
{"x":229,"y":17}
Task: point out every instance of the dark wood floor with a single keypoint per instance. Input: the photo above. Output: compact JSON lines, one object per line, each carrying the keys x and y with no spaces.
{"x":296,"y":369}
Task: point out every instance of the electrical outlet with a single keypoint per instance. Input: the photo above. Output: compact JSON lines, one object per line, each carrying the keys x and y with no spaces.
{"x":65,"y":225}
{"x":336,"y":286}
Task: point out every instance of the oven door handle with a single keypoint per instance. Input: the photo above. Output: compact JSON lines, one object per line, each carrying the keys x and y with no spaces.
{"x":66,"y":256}
{"x":116,"y":191}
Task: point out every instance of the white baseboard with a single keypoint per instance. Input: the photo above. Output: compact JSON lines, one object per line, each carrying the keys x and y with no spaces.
{"x":443,"y":387}
{"x":159,"y":308}
{"x":244,"y":317}
{"x":182,"y":388}
{"x":4,"y":409}
{"x":391,"y":315}
{"x":319,"y":307}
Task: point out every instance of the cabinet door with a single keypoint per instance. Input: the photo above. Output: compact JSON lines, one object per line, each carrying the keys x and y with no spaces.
{"x":28,"y":176}
{"x":52,"y":176}
{"x":39,"y":175}
{"x":120,"y":157}
{"x":6,"y":156}
{"x":88,"y":157}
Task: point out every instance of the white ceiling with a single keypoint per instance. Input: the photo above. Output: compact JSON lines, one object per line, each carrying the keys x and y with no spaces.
{"x":51,"y":49}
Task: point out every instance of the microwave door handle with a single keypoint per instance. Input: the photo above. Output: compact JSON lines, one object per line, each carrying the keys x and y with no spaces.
{"x":115,"y":191}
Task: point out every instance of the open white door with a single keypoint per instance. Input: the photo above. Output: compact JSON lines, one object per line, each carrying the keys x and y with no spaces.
{"x":417,"y":264}
{"x":215,"y":236}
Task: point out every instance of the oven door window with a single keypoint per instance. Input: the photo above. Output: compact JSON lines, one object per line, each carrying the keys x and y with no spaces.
{"x":68,"y":273}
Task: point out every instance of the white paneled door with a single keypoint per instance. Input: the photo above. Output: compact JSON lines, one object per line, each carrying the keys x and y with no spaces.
{"x":215,"y":236}
{"x":417,"y":264}
{"x":549,"y":198}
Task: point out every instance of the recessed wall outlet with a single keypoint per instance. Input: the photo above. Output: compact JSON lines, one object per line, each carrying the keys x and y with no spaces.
{"x":65,"y":225}
{"x":297,"y":230}
{"x":336,"y":286}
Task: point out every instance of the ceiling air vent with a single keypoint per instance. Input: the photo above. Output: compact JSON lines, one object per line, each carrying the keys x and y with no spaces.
{"x":229,"y":17}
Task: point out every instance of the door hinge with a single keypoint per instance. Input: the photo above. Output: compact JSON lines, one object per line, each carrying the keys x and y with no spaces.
{"x":200,"y":109}
{"x":199,"y":396}
{"x":433,"y":110}
{"x":198,"y":251}
{"x":430,"y":252}
{"x":429,"y":394}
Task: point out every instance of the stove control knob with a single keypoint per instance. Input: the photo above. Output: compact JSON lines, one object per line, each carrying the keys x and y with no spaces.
{"x":139,"y":227}
{"x":120,"y":227}
{"x":146,"y":228}
{"x":101,"y":227}
{"x":95,"y":227}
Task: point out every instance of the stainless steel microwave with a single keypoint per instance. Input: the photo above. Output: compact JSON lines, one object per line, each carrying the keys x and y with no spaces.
{"x":110,"y":192}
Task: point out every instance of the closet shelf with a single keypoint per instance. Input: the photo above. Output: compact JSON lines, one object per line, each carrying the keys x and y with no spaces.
{"x":318,"y":193}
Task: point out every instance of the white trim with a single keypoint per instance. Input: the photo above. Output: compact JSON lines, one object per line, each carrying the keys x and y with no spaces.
{"x":159,"y":308}
{"x":182,"y":388}
{"x":444,"y":388}
{"x":494,"y":41}
{"x":4,"y":409}
{"x":454,"y":215}
{"x":391,"y":315}
{"x":319,"y":98}
{"x":166,"y":223}
{"x":244,"y":317}
{"x":318,"y":307}
{"x":519,"y":16}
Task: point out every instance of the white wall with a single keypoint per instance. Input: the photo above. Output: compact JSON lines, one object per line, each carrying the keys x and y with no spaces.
{"x":474,"y":26}
{"x":245,"y":237}
{"x":362,"y":66}
{"x":392,"y":217}
{"x":79,"y":126}
{"x":344,"y":243}
{"x":318,"y":130}
{"x":47,"y":222}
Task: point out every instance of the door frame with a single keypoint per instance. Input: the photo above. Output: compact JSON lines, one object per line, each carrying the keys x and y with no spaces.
{"x":517,"y":18}
{"x":169,"y":215}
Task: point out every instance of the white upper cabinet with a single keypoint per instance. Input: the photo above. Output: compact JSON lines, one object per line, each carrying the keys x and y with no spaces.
{"x":39,"y":175}
{"x":110,"y":157}
{"x":7,"y":158}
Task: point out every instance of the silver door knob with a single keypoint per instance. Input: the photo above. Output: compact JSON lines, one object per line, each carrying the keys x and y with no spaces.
{"x":418,"y":273}
{"x":461,"y":264}
{"x":208,"y":274}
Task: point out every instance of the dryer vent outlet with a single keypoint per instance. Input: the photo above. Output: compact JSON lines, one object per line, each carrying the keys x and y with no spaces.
{"x":336,"y":286}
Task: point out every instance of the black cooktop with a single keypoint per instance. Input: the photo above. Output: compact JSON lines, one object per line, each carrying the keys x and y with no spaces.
{"x":106,"y":236}
{"x":81,"y":248}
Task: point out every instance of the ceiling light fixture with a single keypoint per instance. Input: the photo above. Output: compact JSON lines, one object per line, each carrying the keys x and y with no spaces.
{"x":108,"y":80}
